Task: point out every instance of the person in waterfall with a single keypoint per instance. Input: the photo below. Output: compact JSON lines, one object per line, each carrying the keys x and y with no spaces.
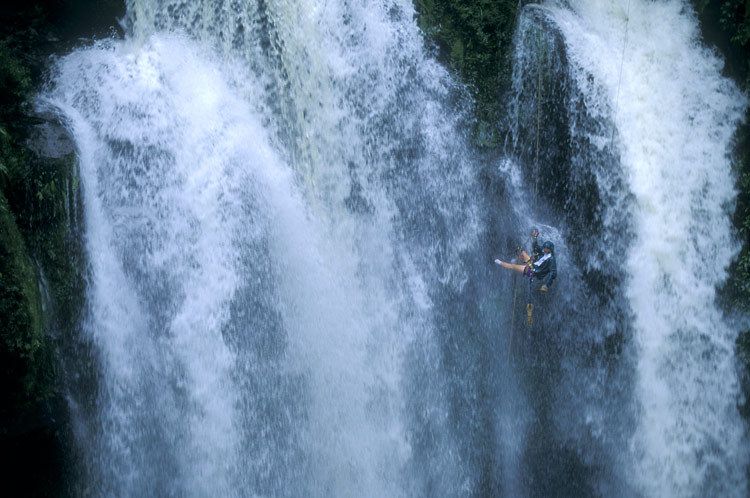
{"x":542,"y":269}
{"x":536,"y":250}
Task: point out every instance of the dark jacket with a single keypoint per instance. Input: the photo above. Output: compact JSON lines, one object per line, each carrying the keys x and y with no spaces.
{"x":545,"y":269}
{"x":536,"y":250}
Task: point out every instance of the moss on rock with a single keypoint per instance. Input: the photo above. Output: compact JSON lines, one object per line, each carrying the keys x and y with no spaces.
{"x":41,"y":282}
{"x":23,"y":376}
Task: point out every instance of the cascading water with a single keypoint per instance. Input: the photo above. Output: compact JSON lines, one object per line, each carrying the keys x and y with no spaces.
{"x":637,"y":155}
{"x":275,"y":194}
{"x":290,"y":290}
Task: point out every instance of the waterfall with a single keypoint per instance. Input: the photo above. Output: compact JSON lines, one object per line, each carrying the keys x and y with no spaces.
{"x":639,"y":137}
{"x":274,"y":192}
{"x":289,"y":236}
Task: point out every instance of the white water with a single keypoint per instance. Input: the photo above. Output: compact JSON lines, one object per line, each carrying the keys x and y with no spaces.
{"x":674,"y":116}
{"x":275,"y":194}
{"x":261,"y":228}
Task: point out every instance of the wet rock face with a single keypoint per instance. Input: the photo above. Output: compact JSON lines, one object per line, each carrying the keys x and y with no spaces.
{"x":49,"y":139}
{"x":40,"y":302}
{"x":41,"y":263}
{"x":566,"y":151}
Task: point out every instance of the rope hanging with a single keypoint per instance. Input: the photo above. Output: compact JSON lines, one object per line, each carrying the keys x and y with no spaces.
{"x":619,"y":79}
{"x":538,"y":116}
{"x":512,"y":318}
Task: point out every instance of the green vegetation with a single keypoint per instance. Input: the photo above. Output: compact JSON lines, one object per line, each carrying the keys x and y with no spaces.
{"x":474,"y":38}
{"x":734,"y":19}
{"x":23,"y":377}
{"x":726,"y":25}
{"x":39,"y":215}
{"x":41,"y":289}
{"x":737,"y":291}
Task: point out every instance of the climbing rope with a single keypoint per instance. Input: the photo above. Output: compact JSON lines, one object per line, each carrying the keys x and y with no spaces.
{"x":538,"y":116}
{"x":529,"y":314}
{"x":622,"y":63}
{"x":529,"y":305}
{"x":512,"y":318}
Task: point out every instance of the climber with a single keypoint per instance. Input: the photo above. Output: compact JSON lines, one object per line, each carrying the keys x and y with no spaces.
{"x":543,"y":269}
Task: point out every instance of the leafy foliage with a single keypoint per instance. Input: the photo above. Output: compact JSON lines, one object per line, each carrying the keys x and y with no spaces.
{"x":474,"y":38}
{"x":734,"y":22}
{"x":730,"y":21}
{"x":20,"y":309}
{"x":35,"y":218}
{"x":735,"y":16}
{"x":737,"y":291}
